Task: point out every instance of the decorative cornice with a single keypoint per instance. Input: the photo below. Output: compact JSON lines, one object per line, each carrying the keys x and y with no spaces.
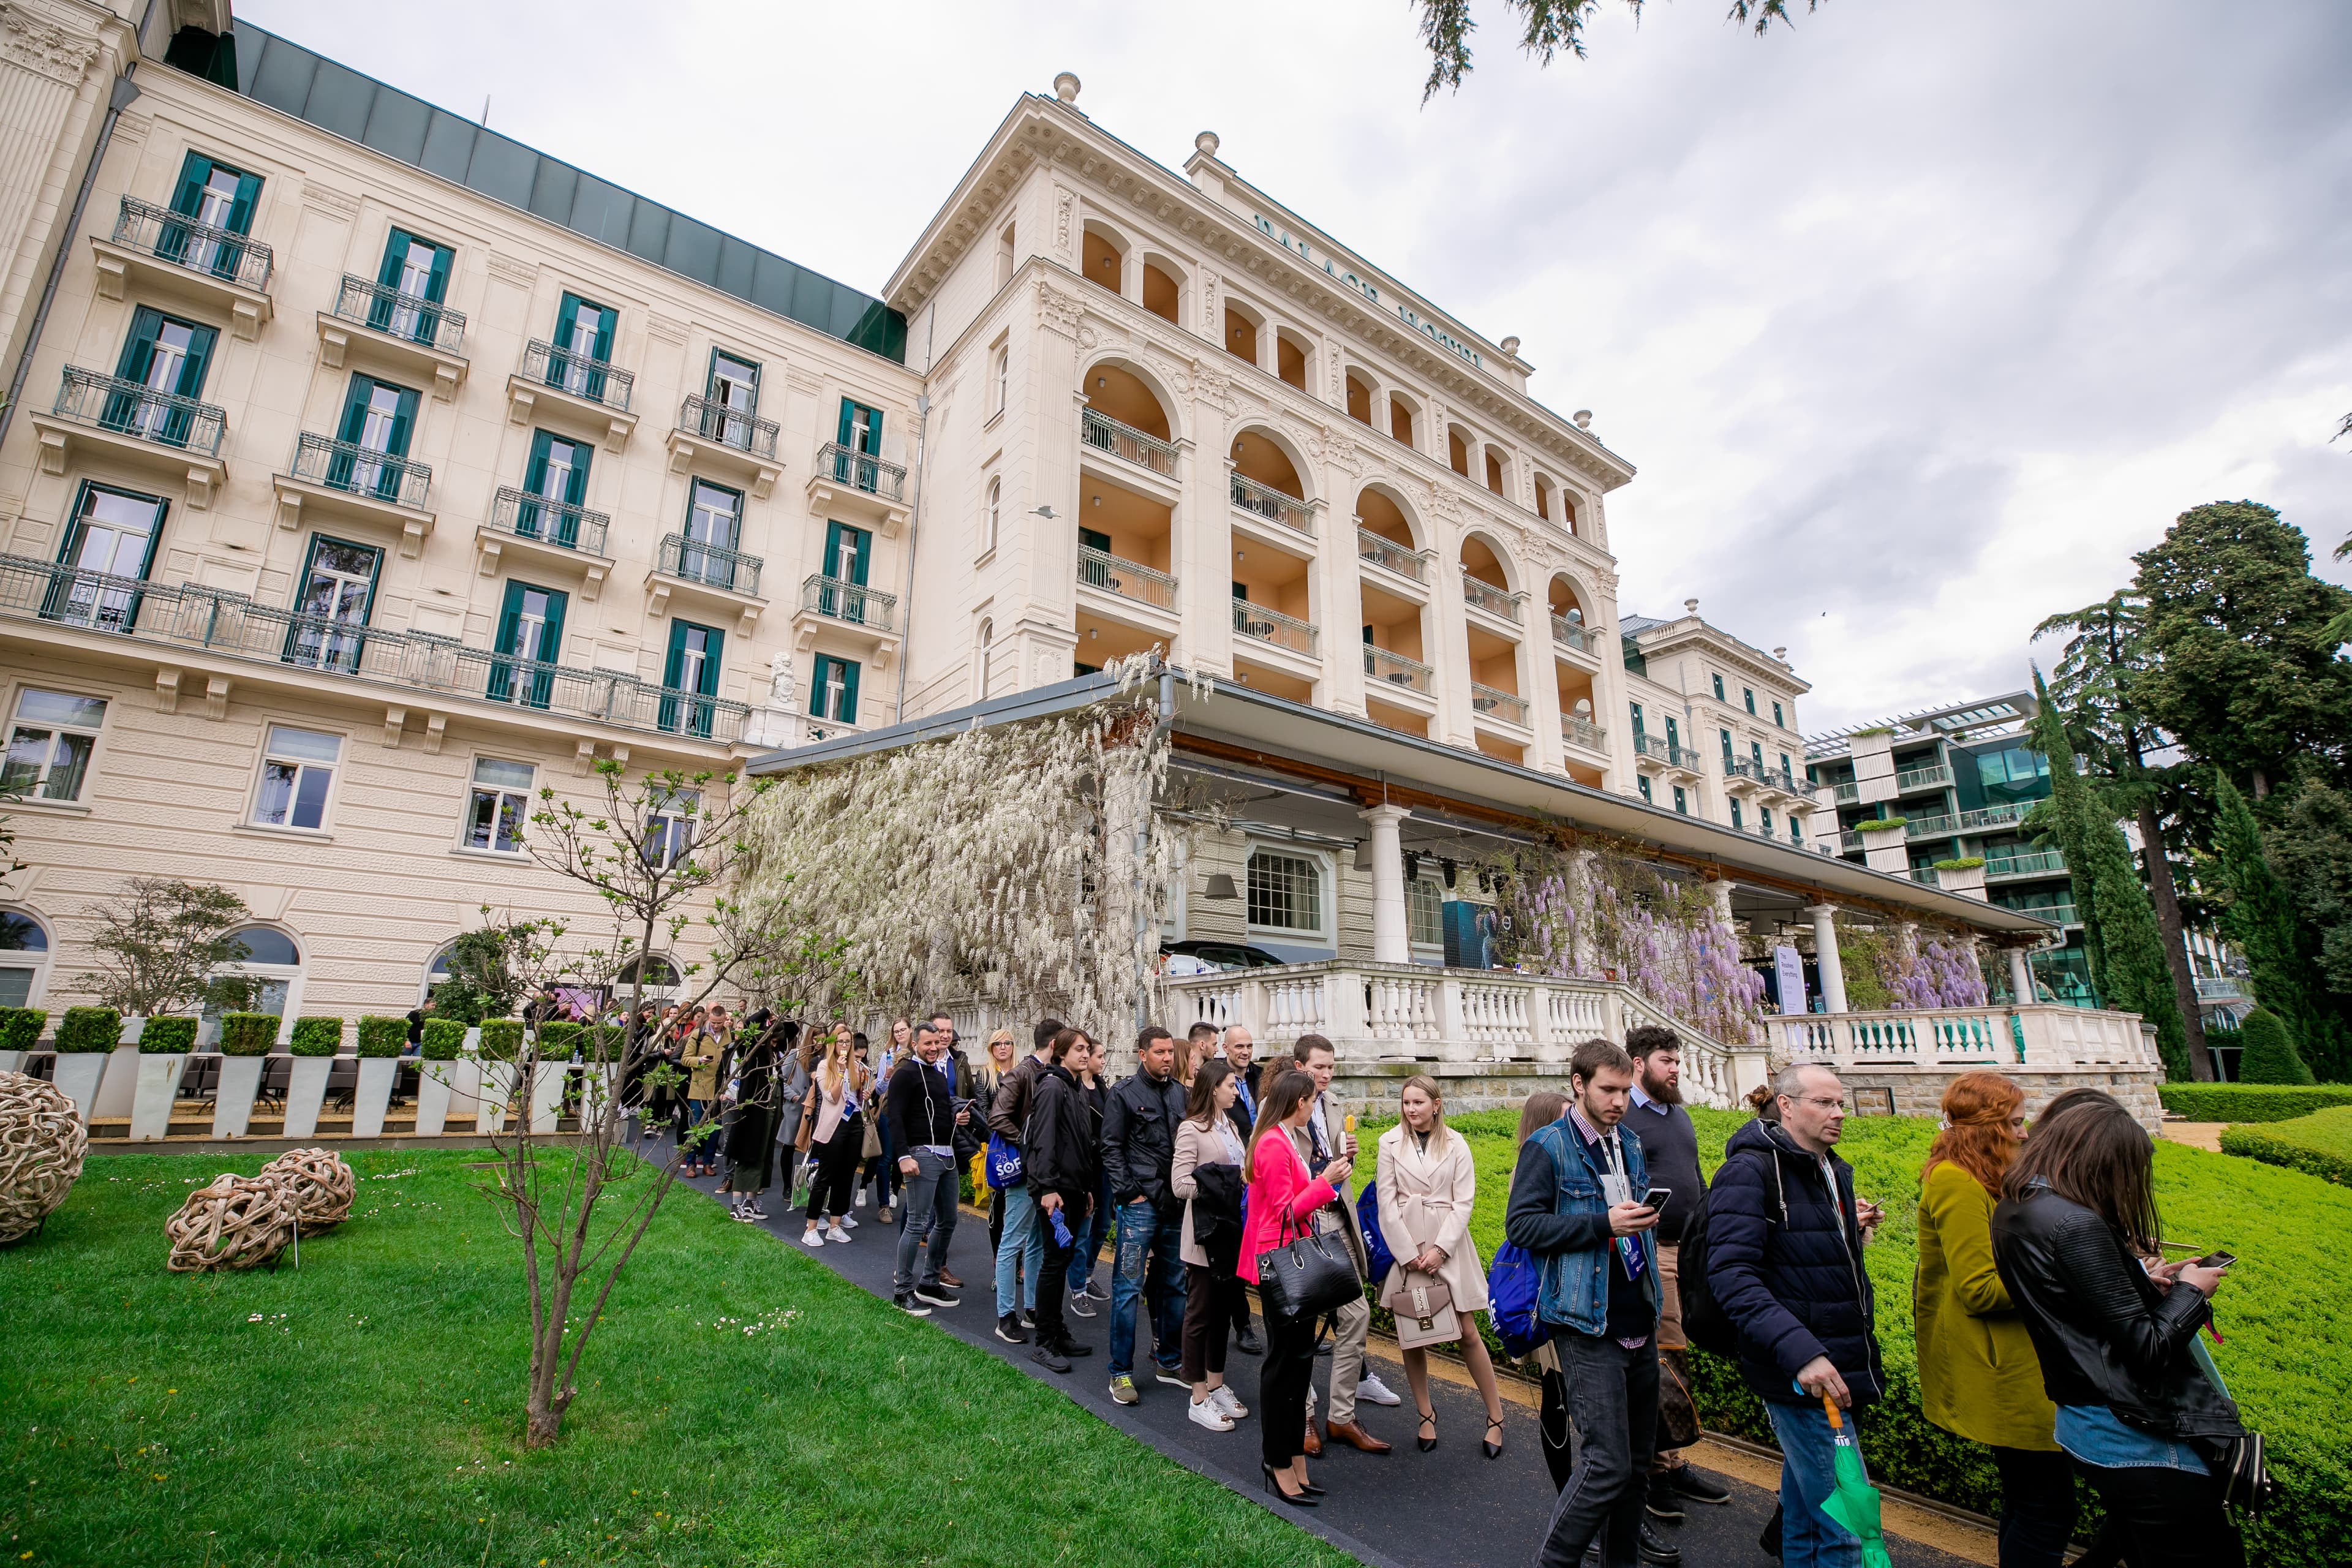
{"x":43,"y":48}
{"x":1058,"y":311}
{"x":132,"y":130}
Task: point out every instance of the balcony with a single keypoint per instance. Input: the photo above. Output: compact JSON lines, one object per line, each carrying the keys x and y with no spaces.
{"x":1763,"y":775}
{"x":1390,"y":556}
{"x":2209,"y":987}
{"x":1584,"y":732}
{"x":1127,"y":579}
{"x":1258,"y":500}
{"x":840,"y":603}
{"x":574,"y":392}
{"x":1847,"y":793}
{"x":1392,"y":670}
{"x":2006,"y":814}
{"x":551,"y":532}
{"x":349,"y":480}
{"x":1104,"y":434}
{"x":2038,"y":863}
{"x":1917,"y":779}
{"x":178,"y":258}
{"x":2038,"y":1034}
{"x":195,"y":620}
{"x":1942,"y":826}
{"x":1480,"y":595}
{"x":843,"y":480}
{"x":711,"y":435}
{"x":1487,"y":702}
{"x":1275,"y":629}
{"x":129,"y":422}
{"x":411,"y":335}
{"x":1657,"y":749}
{"x":692,"y":560}
{"x":1572,"y":635}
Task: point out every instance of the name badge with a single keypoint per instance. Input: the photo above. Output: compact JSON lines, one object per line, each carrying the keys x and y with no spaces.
{"x":1614,"y":1191}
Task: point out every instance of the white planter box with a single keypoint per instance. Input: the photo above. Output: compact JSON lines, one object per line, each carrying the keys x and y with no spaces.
{"x":497,"y":1084}
{"x":547,"y":1095}
{"x":433,"y":1097}
{"x":12,"y":1061}
{"x":76,"y":1076}
{"x":306,"y":1091}
{"x":118,"y":1085}
{"x":373,"y":1095}
{"x":233,"y":1101}
{"x":151,"y":1104}
{"x":465,"y":1082}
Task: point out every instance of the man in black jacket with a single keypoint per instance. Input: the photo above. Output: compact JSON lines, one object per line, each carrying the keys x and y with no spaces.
{"x":1238,"y":1047}
{"x":1020,"y":1253}
{"x":1058,"y":1157}
{"x":1784,"y":1235}
{"x":920,"y":1106}
{"x":1139,"y":1146}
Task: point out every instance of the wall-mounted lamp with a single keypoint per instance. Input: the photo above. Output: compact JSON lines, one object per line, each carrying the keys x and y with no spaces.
{"x":1221,"y":885}
{"x":1363,"y":854}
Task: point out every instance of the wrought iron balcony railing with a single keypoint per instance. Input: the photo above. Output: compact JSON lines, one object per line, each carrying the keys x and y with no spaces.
{"x":346,"y":465}
{"x":1763,"y":774}
{"x":1105,"y":433}
{"x":197,"y":620}
{"x":1273,"y":626}
{"x":527,"y":516}
{"x":1259,"y":501}
{"x":1503,"y":705}
{"x":577,"y":374}
{"x":380,"y":308}
{"x":1649,"y":745}
{"x":709,"y":565}
{"x":862,"y":471}
{"x":183,"y":241}
{"x":1584,"y":732}
{"x":1480,"y":595}
{"x":1395,"y":669}
{"x":1391,"y":556}
{"x":1572,"y":634}
{"x":852,"y":602}
{"x":127,"y":408}
{"x":1127,"y":579}
{"x":735,"y":427}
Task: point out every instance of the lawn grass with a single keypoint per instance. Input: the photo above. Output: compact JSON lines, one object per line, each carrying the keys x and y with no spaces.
{"x":742,"y":1405}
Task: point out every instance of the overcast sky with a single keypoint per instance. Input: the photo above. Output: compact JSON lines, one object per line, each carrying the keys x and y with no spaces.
{"x":1917,"y":319}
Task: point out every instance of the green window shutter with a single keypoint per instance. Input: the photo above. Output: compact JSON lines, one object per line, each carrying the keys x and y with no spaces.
{"x":1674,"y":734}
{"x":195,"y":169}
{"x":554,"y":649}
{"x":849,"y":714}
{"x":676,"y":659}
{"x":437,"y":284}
{"x":396,"y":253}
{"x":1756,"y":749}
{"x":714,"y":643}
{"x":510,"y":618}
{"x":817,"y":685}
{"x":869,"y":439}
{"x":355,"y":407}
{"x":606,"y":319}
{"x":199,"y":361}
{"x":1727,"y":752}
{"x":139,"y":349}
{"x":1637,"y":718}
{"x":575,"y":491}
{"x":534,"y":473}
{"x":567,"y":317}
{"x":847,"y":552}
{"x":848,"y":423}
{"x":403,"y":420}
{"x":240,"y":207}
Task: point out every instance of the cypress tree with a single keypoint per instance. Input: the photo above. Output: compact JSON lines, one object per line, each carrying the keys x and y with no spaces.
{"x":2262,"y":922}
{"x":2126,"y":949}
{"x":2269,"y":1055}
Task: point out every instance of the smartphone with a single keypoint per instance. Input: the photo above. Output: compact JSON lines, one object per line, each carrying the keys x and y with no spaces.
{"x":2217,"y":1260}
{"x":1656,"y":1198}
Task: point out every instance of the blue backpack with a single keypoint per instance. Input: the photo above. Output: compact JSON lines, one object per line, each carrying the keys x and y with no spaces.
{"x":1511,"y":1285}
{"x":1376,"y":1246}
{"x":1005,"y":1169}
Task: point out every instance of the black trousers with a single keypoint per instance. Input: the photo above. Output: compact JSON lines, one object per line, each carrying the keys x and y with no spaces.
{"x":2037,"y":1507}
{"x":1282,"y":1384}
{"x":1210,"y":1300}
{"x":1612,"y":1395}
{"x":1053,"y":1328}
{"x":2167,"y":1518}
{"x":837,"y":1168}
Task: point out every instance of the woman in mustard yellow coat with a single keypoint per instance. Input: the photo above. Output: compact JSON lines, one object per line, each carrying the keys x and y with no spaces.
{"x":1978,"y":1376}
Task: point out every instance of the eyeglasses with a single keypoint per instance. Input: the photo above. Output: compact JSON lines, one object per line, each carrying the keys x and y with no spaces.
{"x":1833,"y":1102}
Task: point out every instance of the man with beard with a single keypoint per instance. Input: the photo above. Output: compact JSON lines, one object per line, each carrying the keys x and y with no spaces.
{"x":1669,"y":1148}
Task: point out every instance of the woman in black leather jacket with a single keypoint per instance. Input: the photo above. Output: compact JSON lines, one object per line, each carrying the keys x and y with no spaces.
{"x":2137,"y":1408}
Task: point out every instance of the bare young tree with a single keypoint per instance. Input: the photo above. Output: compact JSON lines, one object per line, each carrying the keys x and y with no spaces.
{"x":161,"y":943}
{"x":1547,"y":27}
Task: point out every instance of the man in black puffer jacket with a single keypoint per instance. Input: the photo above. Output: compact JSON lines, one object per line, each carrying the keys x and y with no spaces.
{"x":1785,"y":1235}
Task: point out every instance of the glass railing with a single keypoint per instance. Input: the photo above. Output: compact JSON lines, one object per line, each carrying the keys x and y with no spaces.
{"x":861,"y":471}
{"x":2038,"y":863}
{"x":557,"y":522}
{"x":736,"y":427}
{"x":1584,"y":732}
{"x":127,"y":408}
{"x":183,"y":241}
{"x":1391,"y":556}
{"x":1572,"y":634}
{"x":1847,"y":792}
{"x":2209,"y":987}
{"x":854,"y":603}
{"x":1129,"y":580}
{"x":1849,"y":839}
{"x":709,"y":565}
{"x":1923,"y":778}
{"x":1395,"y":669}
{"x":577,"y":374}
{"x":2000,"y":815}
{"x":358,"y":470}
{"x":412,"y":318}
{"x":1257,"y":622}
{"x":1480,"y":595}
{"x":1105,"y":433}
{"x":1255,"y":499}
{"x":1503,"y":705}
{"x":1942,"y":826}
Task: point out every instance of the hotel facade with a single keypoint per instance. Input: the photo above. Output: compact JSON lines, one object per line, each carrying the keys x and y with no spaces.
{"x":367,"y":471}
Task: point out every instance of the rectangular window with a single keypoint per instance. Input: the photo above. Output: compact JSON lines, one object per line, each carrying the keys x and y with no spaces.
{"x":693,"y":669}
{"x":1637,"y":718}
{"x":1424,"y":904}
{"x":734,"y":383}
{"x":1776,"y":721}
{"x":168,"y":357}
{"x":848,"y":552}
{"x":338,"y":590}
{"x":1682,"y":801}
{"x":112,"y":538}
{"x":1756,"y":755}
{"x":416,"y":271}
{"x":584,"y":346}
{"x":1788,"y":773}
{"x":1764,"y":820}
{"x":1286,"y":891}
{"x":833,"y":689}
{"x":499,"y":807}
{"x":50,"y":748}
{"x":1719,"y":687}
{"x":1734,"y":813}
{"x":216,"y":196}
{"x":1644,"y":781}
{"x":1727,"y":752}
{"x":713,"y":515}
{"x":297,"y":769}
{"x":1796,"y":831}
{"x":556,"y":472}
{"x":1674,"y":736}
{"x":669,"y":828}
{"x":861,"y":427}
{"x":530,"y":627}
{"x":379,"y":418}
{"x":1749,"y":694}
{"x":1000,"y":377}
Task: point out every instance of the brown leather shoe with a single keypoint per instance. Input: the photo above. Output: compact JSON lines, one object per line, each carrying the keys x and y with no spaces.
{"x":1353,"y":1434}
{"x":950,"y":1281}
{"x":1314,"y":1447}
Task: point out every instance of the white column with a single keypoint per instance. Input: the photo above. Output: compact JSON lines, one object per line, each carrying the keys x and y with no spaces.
{"x":1718,"y":892}
{"x":2021,"y":975}
{"x":1825,"y":952}
{"x":1391,"y":943}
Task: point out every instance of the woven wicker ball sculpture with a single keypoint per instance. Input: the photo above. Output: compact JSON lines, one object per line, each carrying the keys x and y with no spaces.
{"x":42,"y":1142}
{"x":317,"y":1183}
{"x":236,"y":1221}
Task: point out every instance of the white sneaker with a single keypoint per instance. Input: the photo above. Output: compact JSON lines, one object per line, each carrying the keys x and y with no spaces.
{"x":848,"y":1222}
{"x":1221,"y":1397}
{"x":812,"y":1238}
{"x":1205,"y":1413}
{"x":839,"y":1234}
{"x":1373,"y":1389}
{"x":861,"y":1195}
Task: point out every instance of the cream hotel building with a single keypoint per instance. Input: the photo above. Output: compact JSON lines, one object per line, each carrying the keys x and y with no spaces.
{"x":365,"y":470}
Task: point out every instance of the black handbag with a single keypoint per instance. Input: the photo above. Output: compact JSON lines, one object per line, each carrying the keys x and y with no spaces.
{"x":1309,"y":1276}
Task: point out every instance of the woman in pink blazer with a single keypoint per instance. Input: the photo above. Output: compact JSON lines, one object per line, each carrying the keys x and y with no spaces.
{"x":1279,"y":1190}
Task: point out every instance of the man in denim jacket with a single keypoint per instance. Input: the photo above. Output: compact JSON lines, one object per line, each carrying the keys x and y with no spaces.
{"x":1575,"y":1209}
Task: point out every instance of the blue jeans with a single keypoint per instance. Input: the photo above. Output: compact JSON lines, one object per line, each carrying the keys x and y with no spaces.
{"x":1147,"y":1242}
{"x":1808,"y":1476}
{"x":1090,"y":1240}
{"x":1021,"y":1243}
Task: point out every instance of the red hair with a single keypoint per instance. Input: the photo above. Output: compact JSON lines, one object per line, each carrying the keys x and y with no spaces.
{"x":1977,"y":1109}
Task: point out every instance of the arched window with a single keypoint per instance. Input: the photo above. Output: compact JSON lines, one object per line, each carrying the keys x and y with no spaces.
{"x":992,"y":513}
{"x":980,"y":654}
{"x":24,"y":959}
{"x":273,"y":968}
{"x":661,"y":979}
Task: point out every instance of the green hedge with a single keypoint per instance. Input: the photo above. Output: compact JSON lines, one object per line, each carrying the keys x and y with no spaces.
{"x":1965,"y":863}
{"x":1881,"y":824}
{"x":501,"y":1039}
{"x":316,"y":1037}
{"x":167,"y":1036}
{"x":444,"y":1041}
{"x":20,"y":1028}
{"x":556,"y":1039}
{"x":2267,"y":1051}
{"x":247,"y":1034}
{"x":382,"y":1036}
{"x":2250,"y":1101}
{"x":88,"y":1029}
{"x":2319,"y":1145}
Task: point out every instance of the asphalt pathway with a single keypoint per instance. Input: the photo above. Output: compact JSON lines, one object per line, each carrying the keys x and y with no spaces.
{"x":1450,"y":1508}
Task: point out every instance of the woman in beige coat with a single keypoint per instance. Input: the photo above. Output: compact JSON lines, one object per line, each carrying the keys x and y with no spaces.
{"x":1427,"y":1184}
{"x":1212,"y":1287}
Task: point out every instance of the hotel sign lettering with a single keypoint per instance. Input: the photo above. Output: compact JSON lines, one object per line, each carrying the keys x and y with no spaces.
{"x":1369,"y":290}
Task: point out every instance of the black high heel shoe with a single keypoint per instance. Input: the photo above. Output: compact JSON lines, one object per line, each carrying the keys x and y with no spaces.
{"x":1428,"y":1419}
{"x":1494,"y":1449}
{"x":1300,"y":1500}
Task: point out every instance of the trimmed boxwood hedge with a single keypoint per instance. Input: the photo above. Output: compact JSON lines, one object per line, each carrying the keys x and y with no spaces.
{"x":2319,"y":1145}
{"x":501,"y":1039}
{"x":444,"y":1041}
{"x":1965,"y":863}
{"x":382,"y":1036}
{"x":2250,"y":1101}
{"x":556,"y":1039}
{"x":88,"y":1029}
{"x":247,"y":1034}
{"x":1881,"y":824}
{"x":166,"y":1036}
{"x":316,"y":1037}
{"x":20,"y":1028}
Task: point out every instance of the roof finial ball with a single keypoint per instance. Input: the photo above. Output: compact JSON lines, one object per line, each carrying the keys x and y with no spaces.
{"x":1066,"y":86}
{"x":1206,"y":143}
